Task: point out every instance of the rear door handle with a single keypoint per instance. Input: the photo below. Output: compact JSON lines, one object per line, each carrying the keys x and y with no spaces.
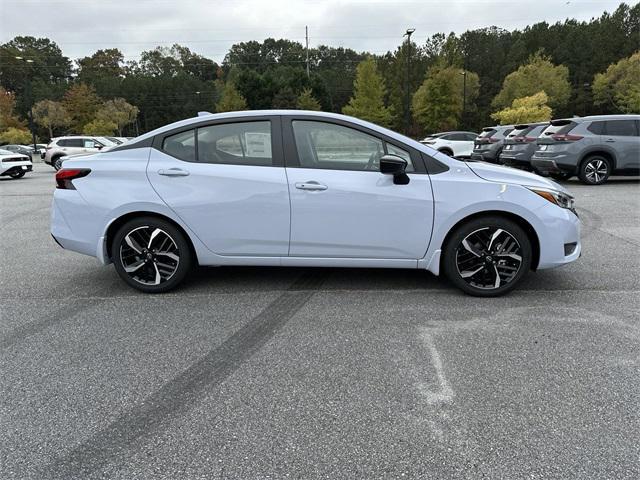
{"x":173,"y":172}
{"x":610,"y":140}
{"x":312,"y":185}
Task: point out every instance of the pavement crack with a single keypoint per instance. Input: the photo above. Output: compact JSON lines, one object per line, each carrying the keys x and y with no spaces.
{"x":184,"y":390}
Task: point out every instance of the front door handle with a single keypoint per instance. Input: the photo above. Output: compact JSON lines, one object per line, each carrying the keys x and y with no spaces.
{"x":610,"y":140}
{"x":173,"y":172}
{"x":310,"y":186}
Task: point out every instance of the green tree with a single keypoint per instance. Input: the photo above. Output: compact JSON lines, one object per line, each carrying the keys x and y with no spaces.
{"x":619,"y":86}
{"x":285,"y":98}
{"x":15,"y":135}
{"x":538,"y":74}
{"x":306,"y":101}
{"x":118,"y":111}
{"x":438,"y":103}
{"x":231,"y":100}
{"x":50,"y":114}
{"x":533,"y":108}
{"x":367,"y":101}
{"x":81,"y":103}
{"x":99,"y":127}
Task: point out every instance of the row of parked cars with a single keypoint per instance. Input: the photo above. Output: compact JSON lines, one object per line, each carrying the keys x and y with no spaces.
{"x":593,"y":148}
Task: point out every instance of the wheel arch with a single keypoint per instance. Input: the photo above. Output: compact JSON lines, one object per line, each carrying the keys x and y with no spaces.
{"x":522,"y":222}
{"x":609,"y":154}
{"x":115,"y":225}
{"x":446,"y":150}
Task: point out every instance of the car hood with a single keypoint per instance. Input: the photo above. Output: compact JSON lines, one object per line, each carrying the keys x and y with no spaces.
{"x":501,"y":174}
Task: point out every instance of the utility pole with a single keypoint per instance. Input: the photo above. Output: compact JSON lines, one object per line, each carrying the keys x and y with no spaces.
{"x":306,"y":37}
{"x":464,"y":94}
{"x":28,"y":100}
{"x":407,"y":108}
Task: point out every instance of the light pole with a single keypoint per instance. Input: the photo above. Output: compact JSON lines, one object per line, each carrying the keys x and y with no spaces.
{"x":27,"y":94}
{"x":464,"y":93}
{"x":407,"y":118}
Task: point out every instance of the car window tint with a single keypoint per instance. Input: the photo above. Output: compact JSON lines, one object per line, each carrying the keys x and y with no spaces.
{"x":622,"y":128}
{"x":244,"y":143}
{"x":596,"y":128}
{"x":487,"y":133}
{"x":88,"y":143}
{"x":470,"y":137}
{"x":334,"y":147}
{"x":457,"y":137}
{"x":559,"y":127}
{"x":399,"y":152}
{"x":74,"y":142}
{"x":536,"y":131}
{"x":181,"y":145}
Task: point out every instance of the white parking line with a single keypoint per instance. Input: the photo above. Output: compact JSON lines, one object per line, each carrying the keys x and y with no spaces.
{"x":445,"y":393}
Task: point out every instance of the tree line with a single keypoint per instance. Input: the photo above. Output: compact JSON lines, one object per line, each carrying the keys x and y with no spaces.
{"x":466,"y":81}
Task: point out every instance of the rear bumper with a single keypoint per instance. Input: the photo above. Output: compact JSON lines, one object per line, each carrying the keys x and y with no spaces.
{"x":12,"y":168}
{"x":560,"y":163}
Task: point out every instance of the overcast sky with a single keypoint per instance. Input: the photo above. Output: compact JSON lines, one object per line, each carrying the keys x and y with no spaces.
{"x":80,"y":27}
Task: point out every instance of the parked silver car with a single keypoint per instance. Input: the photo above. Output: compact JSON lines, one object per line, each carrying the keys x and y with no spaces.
{"x":591,"y":147}
{"x":74,"y":145}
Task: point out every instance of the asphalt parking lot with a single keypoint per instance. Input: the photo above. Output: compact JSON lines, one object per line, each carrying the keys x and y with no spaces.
{"x":303,"y":373}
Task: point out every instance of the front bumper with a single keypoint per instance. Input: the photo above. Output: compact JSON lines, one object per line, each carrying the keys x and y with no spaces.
{"x":13,"y":168}
{"x":560,"y":239}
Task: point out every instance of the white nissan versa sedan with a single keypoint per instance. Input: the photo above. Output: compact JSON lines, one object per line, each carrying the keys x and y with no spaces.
{"x":307,"y":189}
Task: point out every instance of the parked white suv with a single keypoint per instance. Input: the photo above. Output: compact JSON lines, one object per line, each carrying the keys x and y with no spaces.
{"x":74,"y":145}
{"x":454,"y":144}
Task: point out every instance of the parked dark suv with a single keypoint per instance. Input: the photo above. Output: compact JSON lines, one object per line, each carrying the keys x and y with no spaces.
{"x":520,"y":144}
{"x":488,"y":145}
{"x":591,"y":147}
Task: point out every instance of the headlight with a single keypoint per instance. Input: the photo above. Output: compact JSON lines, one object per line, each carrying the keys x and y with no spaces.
{"x":559,"y":198}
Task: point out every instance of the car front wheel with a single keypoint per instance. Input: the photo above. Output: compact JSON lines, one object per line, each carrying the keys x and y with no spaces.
{"x":16,"y":174}
{"x":487,"y":257}
{"x":151,"y":255}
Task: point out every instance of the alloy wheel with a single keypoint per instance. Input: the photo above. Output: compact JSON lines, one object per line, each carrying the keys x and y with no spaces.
{"x":489,"y":258}
{"x":596,"y":170}
{"x":149,"y":255}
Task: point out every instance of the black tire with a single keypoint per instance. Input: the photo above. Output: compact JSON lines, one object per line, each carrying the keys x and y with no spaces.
{"x":506,"y":247}
{"x":446,"y":151}
{"x":594,"y":170}
{"x":149,"y":264}
{"x":17,"y":174}
{"x":56,"y":164}
{"x":561,"y":176}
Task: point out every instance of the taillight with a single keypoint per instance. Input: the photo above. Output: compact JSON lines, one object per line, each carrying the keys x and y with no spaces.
{"x":566,"y":137}
{"x":487,"y":140}
{"x":65,"y":175}
{"x":529,"y":139}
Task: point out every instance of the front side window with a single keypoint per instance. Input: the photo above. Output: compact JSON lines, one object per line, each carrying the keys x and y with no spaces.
{"x":335,"y":147}
{"x":89,"y":143}
{"x":243,"y":143}
{"x":181,"y":145}
{"x":621,"y":128}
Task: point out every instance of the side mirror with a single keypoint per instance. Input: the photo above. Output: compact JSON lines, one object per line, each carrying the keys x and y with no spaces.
{"x":396,"y":166}
{"x":99,"y":147}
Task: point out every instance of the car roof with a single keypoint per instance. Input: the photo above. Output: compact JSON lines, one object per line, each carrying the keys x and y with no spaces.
{"x":591,"y":118}
{"x":452,"y":131}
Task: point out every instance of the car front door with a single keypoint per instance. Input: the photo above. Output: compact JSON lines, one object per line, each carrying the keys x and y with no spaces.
{"x":622,"y":135}
{"x":227,"y":183}
{"x":341,"y":205}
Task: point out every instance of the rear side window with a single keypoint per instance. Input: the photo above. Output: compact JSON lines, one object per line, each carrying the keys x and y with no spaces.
{"x":536,"y":131}
{"x":596,"y":128}
{"x":622,"y":128}
{"x":519,"y":132}
{"x":470,"y":137}
{"x":458,"y":137}
{"x":244,"y":143}
{"x":181,"y":145}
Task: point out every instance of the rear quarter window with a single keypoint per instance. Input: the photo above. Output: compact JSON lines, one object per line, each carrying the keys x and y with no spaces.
{"x":597,"y":128}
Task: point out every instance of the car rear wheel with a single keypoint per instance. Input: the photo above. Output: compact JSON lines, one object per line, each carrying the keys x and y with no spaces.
{"x":151,"y":255}
{"x":446,"y":151}
{"x":16,"y":174}
{"x":595,"y":170}
{"x":57,"y":163}
{"x":487,"y":257}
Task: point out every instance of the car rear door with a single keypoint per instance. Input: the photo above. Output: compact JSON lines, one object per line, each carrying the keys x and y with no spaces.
{"x":622,"y":136}
{"x":341,"y":205}
{"x":226,"y":181}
